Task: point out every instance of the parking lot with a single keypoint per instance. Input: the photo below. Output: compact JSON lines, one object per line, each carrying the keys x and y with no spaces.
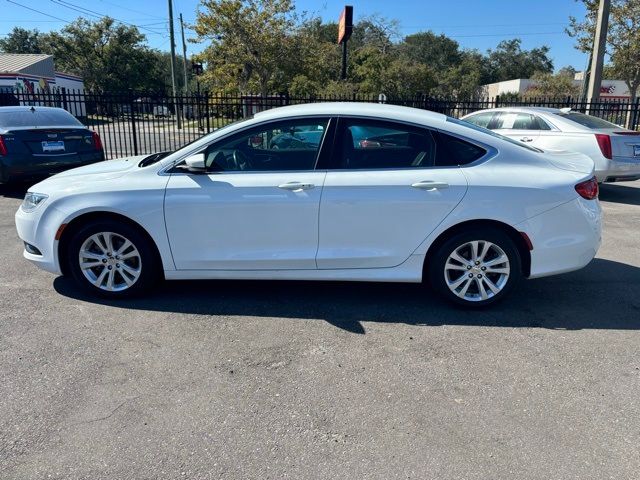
{"x":296,"y":380}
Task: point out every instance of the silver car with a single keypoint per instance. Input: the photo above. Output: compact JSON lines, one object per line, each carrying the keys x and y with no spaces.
{"x":614,"y":150}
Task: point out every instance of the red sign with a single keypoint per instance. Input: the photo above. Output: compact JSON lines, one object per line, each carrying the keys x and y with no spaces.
{"x":345,"y":24}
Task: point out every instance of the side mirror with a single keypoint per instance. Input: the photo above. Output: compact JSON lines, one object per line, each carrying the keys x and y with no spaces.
{"x":195,"y":163}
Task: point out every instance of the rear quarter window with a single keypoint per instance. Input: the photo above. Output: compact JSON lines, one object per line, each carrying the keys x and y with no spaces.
{"x":452,"y":151}
{"x":588,"y":121}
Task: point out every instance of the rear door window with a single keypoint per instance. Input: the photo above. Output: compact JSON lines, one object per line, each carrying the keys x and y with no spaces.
{"x":515,"y":121}
{"x":374,"y":144}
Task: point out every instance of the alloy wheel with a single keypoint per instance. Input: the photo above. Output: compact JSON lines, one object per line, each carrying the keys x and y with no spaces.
{"x":110,"y":261}
{"x":477,"y":270}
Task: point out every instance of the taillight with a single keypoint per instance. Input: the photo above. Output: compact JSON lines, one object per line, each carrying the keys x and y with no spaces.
{"x":588,"y":189}
{"x":97,"y":143}
{"x":604,"y":142}
{"x":3,"y":147}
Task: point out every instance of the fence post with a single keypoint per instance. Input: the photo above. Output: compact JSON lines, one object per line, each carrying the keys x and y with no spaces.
{"x":497,"y":101}
{"x":134,"y":133}
{"x":633,"y":124}
{"x":206,"y":108}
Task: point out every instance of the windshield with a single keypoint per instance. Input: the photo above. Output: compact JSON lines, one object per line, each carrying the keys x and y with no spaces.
{"x":34,"y":117}
{"x":470,"y":125}
{"x":588,"y":121}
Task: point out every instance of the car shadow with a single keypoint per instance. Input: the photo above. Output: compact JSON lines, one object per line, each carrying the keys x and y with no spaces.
{"x":616,"y":193}
{"x":15,"y":190}
{"x":604,"y":295}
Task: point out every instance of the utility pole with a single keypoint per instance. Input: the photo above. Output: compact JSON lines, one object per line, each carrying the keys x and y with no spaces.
{"x":173,"y":63}
{"x":184,"y":54}
{"x":599,"y":45}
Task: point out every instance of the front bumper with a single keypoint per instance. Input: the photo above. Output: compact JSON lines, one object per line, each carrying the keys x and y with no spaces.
{"x":565,"y":238}
{"x":38,"y":230}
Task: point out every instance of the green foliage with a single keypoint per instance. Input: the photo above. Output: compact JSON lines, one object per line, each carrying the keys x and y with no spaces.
{"x":438,"y":51}
{"x":508,"y":61}
{"x":623,"y":38}
{"x":21,"y":40}
{"x":553,"y":86}
{"x":109,"y":56}
{"x":249,"y":40}
{"x":263,"y":46}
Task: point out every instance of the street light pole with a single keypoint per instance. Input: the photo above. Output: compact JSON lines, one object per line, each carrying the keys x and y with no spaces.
{"x":173,"y":64}
{"x":184,"y":55}
{"x":599,"y":46}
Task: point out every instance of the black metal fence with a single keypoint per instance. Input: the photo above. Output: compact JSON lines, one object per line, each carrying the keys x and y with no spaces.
{"x":133,"y":123}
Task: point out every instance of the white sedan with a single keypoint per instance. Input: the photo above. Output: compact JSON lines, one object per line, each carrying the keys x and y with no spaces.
{"x":614,"y":150}
{"x":334,"y":191}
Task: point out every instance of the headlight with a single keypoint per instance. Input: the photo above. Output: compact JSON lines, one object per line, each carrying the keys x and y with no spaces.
{"x":32,"y":200}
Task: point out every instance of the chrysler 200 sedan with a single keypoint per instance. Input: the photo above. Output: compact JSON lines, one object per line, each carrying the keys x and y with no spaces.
{"x":387,"y":194}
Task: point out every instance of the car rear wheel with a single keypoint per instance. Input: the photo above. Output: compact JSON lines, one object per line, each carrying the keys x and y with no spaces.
{"x":112,"y":259}
{"x":476,"y":268}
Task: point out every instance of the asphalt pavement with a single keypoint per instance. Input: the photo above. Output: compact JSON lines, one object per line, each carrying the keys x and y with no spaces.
{"x":309,"y":380}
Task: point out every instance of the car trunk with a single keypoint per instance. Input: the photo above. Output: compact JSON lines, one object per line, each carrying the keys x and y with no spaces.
{"x":49,"y":142}
{"x":625,"y":144}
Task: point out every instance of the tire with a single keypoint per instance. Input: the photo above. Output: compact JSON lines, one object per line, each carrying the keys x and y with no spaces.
{"x":455,"y":275}
{"x":105,"y":244}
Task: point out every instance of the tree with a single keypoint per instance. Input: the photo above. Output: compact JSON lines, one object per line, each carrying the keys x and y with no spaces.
{"x":553,"y":86}
{"x":249,"y":41}
{"x":508,"y":61}
{"x":437,"y":51}
{"x":463,"y":79}
{"x":21,"y":40}
{"x":623,"y":39}
{"x":108,"y":56}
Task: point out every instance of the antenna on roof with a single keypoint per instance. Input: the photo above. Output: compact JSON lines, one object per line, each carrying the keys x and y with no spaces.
{"x":32,"y":109}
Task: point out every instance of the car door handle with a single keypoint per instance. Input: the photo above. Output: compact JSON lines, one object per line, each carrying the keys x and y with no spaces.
{"x":429,"y":185}
{"x":296,"y":186}
{"x":526,"y":139}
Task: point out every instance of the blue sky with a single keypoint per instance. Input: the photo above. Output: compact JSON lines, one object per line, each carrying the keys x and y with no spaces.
{"x":478,"y":24}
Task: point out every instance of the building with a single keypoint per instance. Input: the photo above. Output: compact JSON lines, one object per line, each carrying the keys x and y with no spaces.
{"x":609,"y":89}
{"x":30,"y":73}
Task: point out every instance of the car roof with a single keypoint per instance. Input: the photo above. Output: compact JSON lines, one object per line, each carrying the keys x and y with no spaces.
{"x":24,"y":108}
{"x":377,"y":110}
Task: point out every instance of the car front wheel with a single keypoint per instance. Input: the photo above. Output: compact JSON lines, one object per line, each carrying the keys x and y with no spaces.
{"x":111,"y":259}
{"x":476,"y":268}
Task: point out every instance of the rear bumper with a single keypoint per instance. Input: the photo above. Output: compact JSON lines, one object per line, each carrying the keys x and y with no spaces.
{"x":620,"y":169}
{"x":23,"y":168}
{"x":565,"y":238}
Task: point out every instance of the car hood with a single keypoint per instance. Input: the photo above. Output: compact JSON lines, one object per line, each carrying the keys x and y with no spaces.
{"x":71,"y":179}
{"x":572,"y":161}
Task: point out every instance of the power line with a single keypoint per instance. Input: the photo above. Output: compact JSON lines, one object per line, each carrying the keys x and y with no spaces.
{"x":495,"y":25}
{"x":38,"y":11}
{"x":130,"y":9}
{"x":93,"y":13}
{"x":519,"y":34}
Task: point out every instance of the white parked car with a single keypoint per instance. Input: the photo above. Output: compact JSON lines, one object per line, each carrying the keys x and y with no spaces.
{"x":614,"y":150}
{"x":387,"y":194}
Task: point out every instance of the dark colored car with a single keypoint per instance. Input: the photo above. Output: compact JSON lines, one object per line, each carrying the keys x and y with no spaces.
{"x":40,"y":141}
